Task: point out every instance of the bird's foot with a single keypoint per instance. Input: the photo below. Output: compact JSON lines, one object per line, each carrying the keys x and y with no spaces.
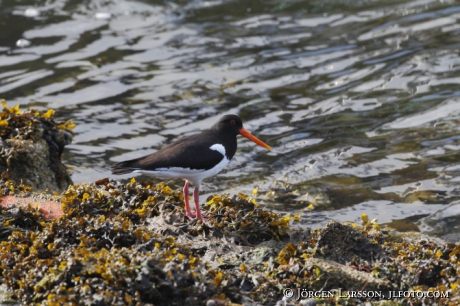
{"x":191,"y":215}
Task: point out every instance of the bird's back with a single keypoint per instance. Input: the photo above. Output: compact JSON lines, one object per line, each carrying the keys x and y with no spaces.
{"x":188,"y":152}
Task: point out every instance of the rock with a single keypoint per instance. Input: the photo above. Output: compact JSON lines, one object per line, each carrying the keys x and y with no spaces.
{"x":344,"y":244}
{"x":31,"y":146}
{"x":45,"y":204}
{"x":33,"y":164}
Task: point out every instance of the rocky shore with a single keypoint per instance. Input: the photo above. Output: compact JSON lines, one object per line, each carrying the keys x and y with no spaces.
{"x":110,"y":243}
{"x":131,"y":244}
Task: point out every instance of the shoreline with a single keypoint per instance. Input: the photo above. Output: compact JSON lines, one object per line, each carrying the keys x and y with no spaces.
{"x":134,"y":241}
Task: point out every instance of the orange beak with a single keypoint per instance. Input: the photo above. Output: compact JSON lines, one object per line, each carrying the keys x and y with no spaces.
{"x":253,"y":138}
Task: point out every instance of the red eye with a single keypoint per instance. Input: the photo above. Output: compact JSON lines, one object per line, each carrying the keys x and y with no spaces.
{"x":232,"y":122}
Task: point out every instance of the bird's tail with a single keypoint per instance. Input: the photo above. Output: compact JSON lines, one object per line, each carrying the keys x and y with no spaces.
{"x":121,"y":168}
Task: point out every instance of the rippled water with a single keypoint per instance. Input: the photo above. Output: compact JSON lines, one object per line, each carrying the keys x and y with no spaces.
{"x":359,"y":99}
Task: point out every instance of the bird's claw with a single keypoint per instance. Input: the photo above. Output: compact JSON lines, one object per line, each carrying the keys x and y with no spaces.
{"x":191,"y":215}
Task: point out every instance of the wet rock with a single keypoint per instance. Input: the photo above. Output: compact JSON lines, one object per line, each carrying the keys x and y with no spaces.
{"x":32,"y":164}
{"x":31,"y":146}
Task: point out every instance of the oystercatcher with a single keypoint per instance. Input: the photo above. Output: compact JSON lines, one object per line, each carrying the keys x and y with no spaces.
{"x":193,"y":158}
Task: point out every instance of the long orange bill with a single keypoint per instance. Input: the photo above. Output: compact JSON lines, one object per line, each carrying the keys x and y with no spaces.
{"x":251,"y":137}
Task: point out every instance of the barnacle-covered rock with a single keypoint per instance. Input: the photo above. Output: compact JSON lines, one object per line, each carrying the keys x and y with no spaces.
{"x":31,"y":145}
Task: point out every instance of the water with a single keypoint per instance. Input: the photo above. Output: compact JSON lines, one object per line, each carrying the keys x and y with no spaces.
{"x":359,"y":99}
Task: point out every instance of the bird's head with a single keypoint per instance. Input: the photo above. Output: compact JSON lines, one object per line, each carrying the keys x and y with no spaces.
{"x":233,"y":124}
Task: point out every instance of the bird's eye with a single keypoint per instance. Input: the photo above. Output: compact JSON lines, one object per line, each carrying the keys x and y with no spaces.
{"x":232,"y":122}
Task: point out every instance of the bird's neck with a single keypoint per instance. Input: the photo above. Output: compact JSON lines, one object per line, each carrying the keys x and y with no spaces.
{"x":229,"y":141}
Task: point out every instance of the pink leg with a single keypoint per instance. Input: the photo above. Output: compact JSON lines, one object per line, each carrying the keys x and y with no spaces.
{"x":196,"y":198}
{"x":187,"y":205}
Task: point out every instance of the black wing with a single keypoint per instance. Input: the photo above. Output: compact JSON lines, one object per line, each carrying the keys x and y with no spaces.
{"x":188,"y":152}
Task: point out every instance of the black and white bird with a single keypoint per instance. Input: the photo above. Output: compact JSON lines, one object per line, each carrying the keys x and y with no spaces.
{"x":193,"y":158}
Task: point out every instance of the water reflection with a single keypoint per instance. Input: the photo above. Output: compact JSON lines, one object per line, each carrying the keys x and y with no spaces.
{"x":358,"y":100}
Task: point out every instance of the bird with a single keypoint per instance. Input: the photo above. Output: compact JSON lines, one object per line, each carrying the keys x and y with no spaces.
{"x":193,"y":158}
